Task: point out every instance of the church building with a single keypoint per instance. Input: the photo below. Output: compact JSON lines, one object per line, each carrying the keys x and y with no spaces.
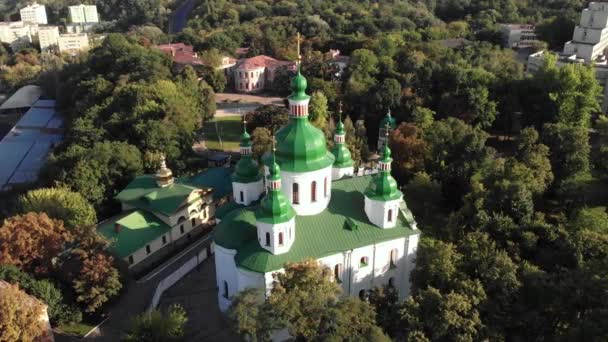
{"x":306,"y":203}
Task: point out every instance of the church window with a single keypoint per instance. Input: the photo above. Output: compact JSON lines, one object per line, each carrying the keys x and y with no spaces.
{"x":338,"y":273}
{"x":242,"y":197}
{"x":313,"y":191}
{"x":131,"y":260}
{"x":391,"y":281}
{"x":226,"y":294}
{"x":181,"y":229}
{"x":164,"y":239}
{"x":148,"y":250}
{"x":390,"y":215}
{"x":267,"y":239}
{"x":325,"y":187}
{"x":364,"y":262}
{"x":394,"y":258}
{"x":193,"y":221}
{"x":295,"y":193}
{"x":280,"y":239}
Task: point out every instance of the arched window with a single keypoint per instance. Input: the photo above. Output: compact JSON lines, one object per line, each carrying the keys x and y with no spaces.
{"x":364,"y":262}
{"x":394,"y":258}
{"x":325,"y":187}
{"x":338,"y":272}
{"x":242,"y":197}
{"x":390,"y":215}
{"x":193,"y":221}
{"x":267,"y":239}
{"x":313,"y":191}
{"x":226,"y":294}
{"x":295,"y":193}
{"x":280,"y":239}
{"x":391,"y":281}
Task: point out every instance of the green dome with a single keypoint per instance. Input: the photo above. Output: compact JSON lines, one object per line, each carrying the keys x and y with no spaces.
{"x":388,"y":119}
{"x":342,"y":155}
{"x":247,"y":170}
{"x":245,"y":139}
{"x":301,"y":147}
{"x":340,"y":128}
{"x":383,"y":186}
{"x":298,"y":88}
{"x":274,"y":207}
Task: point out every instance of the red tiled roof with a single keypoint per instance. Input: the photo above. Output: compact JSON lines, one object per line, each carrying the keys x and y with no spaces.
{"x":241,"y":51}
{"x":181,"y":53}
{"x":261,"y":62}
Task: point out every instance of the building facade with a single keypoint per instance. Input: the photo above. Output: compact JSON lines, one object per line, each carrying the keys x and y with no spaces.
{"x":34,"y":14}
{"x":17,"y":33}
{"x":161,"y":213}
{"x":359,"y":227}
{"x":73,"y":43}
{"x":253,"y":75}
{"x":590,"y":37}
{"x":519,"y":35}
{"x":81,"y":14}
{"x":48,"y":38}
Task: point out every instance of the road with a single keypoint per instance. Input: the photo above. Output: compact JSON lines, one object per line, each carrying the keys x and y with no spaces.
{"x":180,"y":17}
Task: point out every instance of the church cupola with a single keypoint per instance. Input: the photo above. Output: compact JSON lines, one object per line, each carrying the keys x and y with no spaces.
{"x":164,"y":176}
{"x":247,"y":184}
{"x":275,"y":217}
{"x":306,"y":163}
{"x":386,"y":126}
{"x":382,"y":197}
{"x":343,"y":163}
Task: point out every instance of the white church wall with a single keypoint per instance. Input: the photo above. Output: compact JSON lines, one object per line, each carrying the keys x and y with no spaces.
{"x":377,"y":212}
{"x":288,"y":230}
{"x":306,"y":206}
{"x":226,"y":271}
{"x":251,"y":192}
{"x":248,"y":279}
{"x":410,"y":262}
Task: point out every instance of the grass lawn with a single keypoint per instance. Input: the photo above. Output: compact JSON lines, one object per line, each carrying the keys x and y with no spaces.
{"x":229,"y":129}
{"x":76,"y":329}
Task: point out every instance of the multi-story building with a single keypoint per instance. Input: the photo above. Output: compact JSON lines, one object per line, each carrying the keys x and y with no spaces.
{"x":34,"y":13}
{"x":519,"y":35}
{"x":252,"y":75}
{"x":73,"y":43}
{"x":313,"y":207}
{"x":588,"y":45}
{"x":83,"y":14}
{"x":17,"y":33}
{"x":590,"y":37}
{"x":161,"y":213}
{"x":48,"y":38}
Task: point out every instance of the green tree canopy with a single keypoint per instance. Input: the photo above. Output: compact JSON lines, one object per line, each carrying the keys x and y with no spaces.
{"x":62,"y":204}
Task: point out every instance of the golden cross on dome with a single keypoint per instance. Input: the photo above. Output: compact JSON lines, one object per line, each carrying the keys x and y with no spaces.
{"x":340,"y":110}
{"x":299,"y":55}
{"x":386,"y":129}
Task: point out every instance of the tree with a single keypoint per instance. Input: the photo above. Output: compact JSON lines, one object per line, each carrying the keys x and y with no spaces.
{"x":267,"y":116}
{"x":154,"y":326}
{"x":261,"y":139}
{"x":32,"y":241}
{"x":569,"y":148}
{"x":97,"y":281}
{"x":408,"y":151}
{"x":60,"y":203}
{"x":423,"y":117}
{"x":19,"y":315}
{"x":318,"y":113}
{"x":250,"y":315}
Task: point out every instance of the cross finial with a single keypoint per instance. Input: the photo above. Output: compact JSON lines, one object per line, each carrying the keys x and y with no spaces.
{"x":299,"y":55}
{"x":274,"y":144}
{"x":244,"y":124}
{"x":386,"y":128}
{"x":340,"y":110}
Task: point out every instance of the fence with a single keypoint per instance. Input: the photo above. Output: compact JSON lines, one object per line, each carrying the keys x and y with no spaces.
{"x":178,"y":274}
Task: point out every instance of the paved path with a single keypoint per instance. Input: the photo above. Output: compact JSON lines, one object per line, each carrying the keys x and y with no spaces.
{"x":136,"y":296}
{"x":197,"y":294}
{"x":180,"y":17}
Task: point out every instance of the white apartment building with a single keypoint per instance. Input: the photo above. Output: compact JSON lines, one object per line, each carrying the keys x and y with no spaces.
{"x":48,"y":38}
{"x":590,"y":37}
{"x":518,"y":35}
{"x":17,"y":33}
{"x":83,"y":14}
{"x":73,"y":43}
{"x":34,"y":13}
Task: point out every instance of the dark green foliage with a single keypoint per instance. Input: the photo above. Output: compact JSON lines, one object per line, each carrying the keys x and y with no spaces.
{"x":156,"y":326}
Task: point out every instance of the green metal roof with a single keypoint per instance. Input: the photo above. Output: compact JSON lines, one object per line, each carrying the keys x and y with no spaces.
{"x":226,"y":209}
{"x":138,"y":228}
{"x":298,"y":87}
{"x":247,"y":170}
{"x":383,"y":186}
{"x":316,"y":236}
{"x":274,"y":208}
{"x":301,"y":147}
{"x":144,"y":193}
